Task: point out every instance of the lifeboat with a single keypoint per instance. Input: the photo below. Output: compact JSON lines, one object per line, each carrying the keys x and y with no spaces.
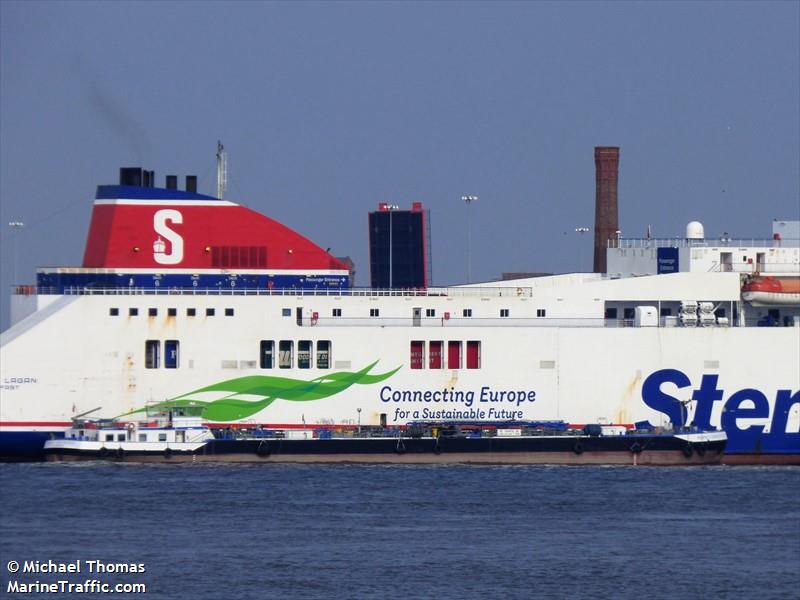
{"x":772,"y":291}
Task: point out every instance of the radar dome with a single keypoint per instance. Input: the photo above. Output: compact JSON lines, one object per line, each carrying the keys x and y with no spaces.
{"x":695,"y":231}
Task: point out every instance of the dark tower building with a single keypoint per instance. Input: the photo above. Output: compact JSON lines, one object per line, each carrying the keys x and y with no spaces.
{"x":606,"y":215}
{"x":399,"y":247}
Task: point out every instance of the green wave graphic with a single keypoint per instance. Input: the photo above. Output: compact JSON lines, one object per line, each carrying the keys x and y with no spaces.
{"x":271,"y":388}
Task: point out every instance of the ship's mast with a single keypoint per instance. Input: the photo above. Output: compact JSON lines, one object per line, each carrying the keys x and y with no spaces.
{"x":222,"y":170}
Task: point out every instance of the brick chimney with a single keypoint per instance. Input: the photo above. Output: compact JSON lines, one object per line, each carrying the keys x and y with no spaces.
{"x":606,"y":213}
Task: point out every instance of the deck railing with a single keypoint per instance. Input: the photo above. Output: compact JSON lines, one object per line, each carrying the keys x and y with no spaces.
{"x":451,"y":292}
{"x":444,"y":319}
{"x":705,"y":243}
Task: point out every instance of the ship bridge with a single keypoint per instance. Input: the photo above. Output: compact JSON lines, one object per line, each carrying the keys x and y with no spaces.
{"x":695,"y":253}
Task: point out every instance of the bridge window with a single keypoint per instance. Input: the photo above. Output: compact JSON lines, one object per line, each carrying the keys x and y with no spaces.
{"x":266,"y":354}
{"x":151,"y":354}
{"x":285,"y":351}
{"x":324,"y":354}
{"x":304,"y":354}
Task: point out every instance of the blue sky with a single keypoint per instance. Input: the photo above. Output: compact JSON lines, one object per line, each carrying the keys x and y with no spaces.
{"x":327,"y":109}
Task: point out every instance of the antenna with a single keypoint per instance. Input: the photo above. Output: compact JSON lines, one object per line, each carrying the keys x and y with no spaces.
{"x":222,"y":170}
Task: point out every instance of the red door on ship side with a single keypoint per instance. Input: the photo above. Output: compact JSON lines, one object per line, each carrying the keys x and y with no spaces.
{"x":453,"y":355}
{"x":417,"y":354}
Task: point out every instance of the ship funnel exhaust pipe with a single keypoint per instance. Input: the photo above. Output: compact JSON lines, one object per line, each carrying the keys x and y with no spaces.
{"x":606,"y":212}
{"x":137,"y":177}
{"x":130,"y":176}
{"x":222,"y":170}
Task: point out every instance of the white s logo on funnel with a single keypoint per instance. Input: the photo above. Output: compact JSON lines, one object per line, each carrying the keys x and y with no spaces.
{"x":160,"y":220}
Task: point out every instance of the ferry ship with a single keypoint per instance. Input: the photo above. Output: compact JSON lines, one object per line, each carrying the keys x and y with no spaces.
{"x":190,"y":300}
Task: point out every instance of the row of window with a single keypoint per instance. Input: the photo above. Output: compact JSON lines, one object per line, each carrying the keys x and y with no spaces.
{"x":309,"y":354}
{"x":451,"y":353}
{"x":121,"y":437}
{"x":434,"y":354}
{"x":171,"y":312}
{"x":152,"y":354}
{"x":431,"y":312}
{"x":286,"y":312}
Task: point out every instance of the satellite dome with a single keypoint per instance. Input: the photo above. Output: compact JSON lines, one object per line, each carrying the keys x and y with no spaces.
{"x":695,"y":231}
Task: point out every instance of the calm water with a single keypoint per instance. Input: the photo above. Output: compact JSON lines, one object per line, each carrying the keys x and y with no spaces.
{"x":271,"y":531}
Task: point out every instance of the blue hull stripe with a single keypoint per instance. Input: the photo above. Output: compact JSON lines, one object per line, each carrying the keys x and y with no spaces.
{"x":57,"y":283}
{"x":24,"y":444}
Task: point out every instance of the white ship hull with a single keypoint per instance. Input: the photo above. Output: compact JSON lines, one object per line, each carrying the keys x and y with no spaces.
{"x":74,"y":357}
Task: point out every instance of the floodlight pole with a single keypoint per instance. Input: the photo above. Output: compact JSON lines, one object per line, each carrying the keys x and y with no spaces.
{"x":15,"y":227}
{"x":580,"y":231}
{"x":469,"y":200}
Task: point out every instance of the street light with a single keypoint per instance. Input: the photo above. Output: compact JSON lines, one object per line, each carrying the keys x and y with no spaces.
{"x":15,"y":226}
{"x":580,"y":231}
{"x":469,"y":200}
{"x":390,"y":208}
